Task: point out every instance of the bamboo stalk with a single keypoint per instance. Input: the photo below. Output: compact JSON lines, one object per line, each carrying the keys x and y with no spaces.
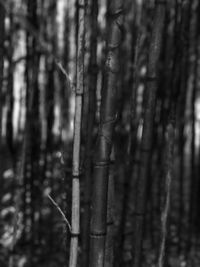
{"x":2,"y":32}
{"x":147,"y":134}
{"x":92,"y":84}
{"x":109,"y":247}
{"x":169,"y":159}
{"x":105,"y":137}
{"x":75,"y":218}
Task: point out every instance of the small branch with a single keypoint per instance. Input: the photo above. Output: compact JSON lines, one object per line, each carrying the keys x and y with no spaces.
{"x":61,"y":68}
{"x":61,"y":212}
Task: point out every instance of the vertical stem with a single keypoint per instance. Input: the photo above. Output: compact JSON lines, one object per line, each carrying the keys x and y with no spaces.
{"x":2,"y":32}
{"x":184,"y":68}
{"x":75,"y":219}
{"x":194,"y":183}
{"x":132,"y":135}
{"x":33,"y":123}
{"x":10,"y":97}
{"x":169,"y":159}
{"x":92,"y":72}
{"x":146,"y":143}
{"x":105,"y":137}
{"x":109,"y":248}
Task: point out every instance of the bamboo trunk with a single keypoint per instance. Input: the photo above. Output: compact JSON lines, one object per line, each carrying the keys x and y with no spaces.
{"x":92,"y":72}
{"x":109,"y":247}
{"x":146,"y":143}
{"x":169,"y":159}
{"x":105,"y":138}
{"x":75,"y":218}
{"x":2,"y":31}
{"x":184,"y":69}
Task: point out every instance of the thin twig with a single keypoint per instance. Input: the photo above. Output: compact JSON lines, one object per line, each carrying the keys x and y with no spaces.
{"x":68,"y":80}
{"x":60,"y":66}
{"x":61,"y":212}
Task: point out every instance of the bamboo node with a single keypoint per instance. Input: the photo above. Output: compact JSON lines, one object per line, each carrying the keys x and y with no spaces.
{"x":74,"y":234}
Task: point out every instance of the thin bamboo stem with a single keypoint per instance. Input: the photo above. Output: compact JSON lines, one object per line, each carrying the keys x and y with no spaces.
{"x":75,"y":218}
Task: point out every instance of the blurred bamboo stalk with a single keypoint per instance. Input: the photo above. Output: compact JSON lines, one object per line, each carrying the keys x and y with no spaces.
{"x":147,"y":134}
